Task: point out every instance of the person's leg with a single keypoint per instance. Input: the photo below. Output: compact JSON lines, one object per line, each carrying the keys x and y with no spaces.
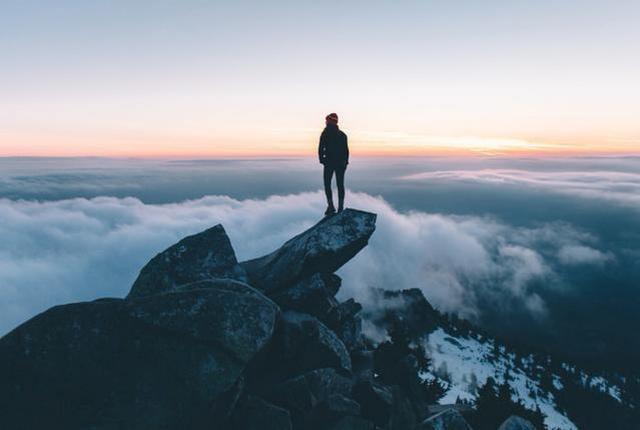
{"x":328,"y":173}
{"x":340,"y":182}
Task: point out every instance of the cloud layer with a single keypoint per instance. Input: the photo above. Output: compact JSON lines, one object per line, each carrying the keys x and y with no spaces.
{"x":81,"y":249}
{"x":613,"y":186}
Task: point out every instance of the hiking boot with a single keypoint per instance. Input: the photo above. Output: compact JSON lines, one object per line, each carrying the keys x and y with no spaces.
{"x":330,"y":210}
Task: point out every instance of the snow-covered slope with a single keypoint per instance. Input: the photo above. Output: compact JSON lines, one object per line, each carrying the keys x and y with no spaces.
{"x":463,"y":363}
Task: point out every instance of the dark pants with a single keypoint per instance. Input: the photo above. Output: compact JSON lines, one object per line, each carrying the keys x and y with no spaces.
{"x":328,"y":174}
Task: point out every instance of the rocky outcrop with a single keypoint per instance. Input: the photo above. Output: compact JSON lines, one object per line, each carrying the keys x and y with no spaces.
{"x":203,"y":342}
{"x":194,"y":345}
{"x":153,"y":362}
{"x":515,"y":422}
{"x":323,"y":248}
{"x":206,"y":255}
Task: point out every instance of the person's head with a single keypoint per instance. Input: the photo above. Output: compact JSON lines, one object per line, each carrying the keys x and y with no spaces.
{"x":332,"y":118}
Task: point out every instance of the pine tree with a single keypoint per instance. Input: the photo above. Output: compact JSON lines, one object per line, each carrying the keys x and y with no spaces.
{"x":494,"y":404}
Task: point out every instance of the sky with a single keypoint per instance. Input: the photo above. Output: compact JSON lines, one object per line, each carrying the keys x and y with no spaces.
{"x":205,"y":78}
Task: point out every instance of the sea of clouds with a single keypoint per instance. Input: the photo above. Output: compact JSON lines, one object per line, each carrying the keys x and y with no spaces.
{"x":62,"y":251}
{"x":615,"y":187}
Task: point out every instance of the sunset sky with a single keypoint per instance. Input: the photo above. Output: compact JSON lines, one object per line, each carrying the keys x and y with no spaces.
{"x":206,"y":78}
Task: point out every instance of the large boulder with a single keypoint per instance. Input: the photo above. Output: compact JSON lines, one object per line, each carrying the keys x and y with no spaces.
{"x":223,"y":312}
{"x":323,"y":248}
{"x":160,"y":362}
{"x":305,"y":343}
{"x":301,"y":394}
{"x":205,"y":255}
{"x":515,"y":422}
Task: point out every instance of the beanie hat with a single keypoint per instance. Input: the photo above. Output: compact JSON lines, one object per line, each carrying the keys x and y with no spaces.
{"x":332,"y":117}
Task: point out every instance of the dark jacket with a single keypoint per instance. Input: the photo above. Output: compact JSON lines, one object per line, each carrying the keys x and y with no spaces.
{"x":333,"y":149}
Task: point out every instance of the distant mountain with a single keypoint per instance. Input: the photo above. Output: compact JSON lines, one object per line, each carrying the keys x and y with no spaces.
{"x":464,"y":357}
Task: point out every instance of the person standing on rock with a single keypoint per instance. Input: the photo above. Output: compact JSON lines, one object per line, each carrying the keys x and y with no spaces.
{"x":333,"y":152}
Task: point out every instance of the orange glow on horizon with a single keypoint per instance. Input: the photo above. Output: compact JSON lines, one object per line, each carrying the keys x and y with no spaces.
{"x":303,"y":143}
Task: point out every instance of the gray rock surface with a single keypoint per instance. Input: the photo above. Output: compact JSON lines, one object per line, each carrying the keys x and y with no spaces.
{"x":150,"y":363}
{"x":312,"y":295}
{"x":308,"y":344}
{"x":323,"y":248}
{"x":449,"y":419}
{"x":343,"y":320}
{"x":515,"y":422}
{"x":318,"y":383}
{"x":229,"y":314}
{"x":202,"y":256}
{"x":301,"y":394}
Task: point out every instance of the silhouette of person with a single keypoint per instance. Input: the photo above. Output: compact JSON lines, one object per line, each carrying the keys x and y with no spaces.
{"x":333,"y":152}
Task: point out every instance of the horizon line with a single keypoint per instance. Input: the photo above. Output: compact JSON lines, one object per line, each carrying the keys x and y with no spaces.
{"x":366,"y":154}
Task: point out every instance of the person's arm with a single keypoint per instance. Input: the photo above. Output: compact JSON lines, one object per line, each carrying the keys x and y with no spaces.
{"x":346,"y":149}
{"x":322,"y":148}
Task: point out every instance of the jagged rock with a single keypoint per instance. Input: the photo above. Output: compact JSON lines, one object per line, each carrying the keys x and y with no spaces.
{"x":323,"y":248}
{"x":325,"y":382}
{"x":515,"y":422}
{"x":158,"y":362}
{"x":345,"y":310}
{"x":306,"y":343}
{"x":301,"y":394}
{"x":312,"y":295}
{"x":205,"y":255}
{"x":343,"y":321}
{"x":449,"y":419}
{"x":352,"y":423}
{"x":253,"y":413}
{"x":375,"y":401}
